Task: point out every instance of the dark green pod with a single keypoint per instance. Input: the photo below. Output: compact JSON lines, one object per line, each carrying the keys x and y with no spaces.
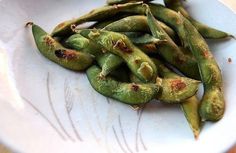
{"x":54,"y":51}
{"x":212,"y":104}
{"x":99,"y":14}
{"x":83,"y":44}
{"x":172,"y":89}
{"x":142,"y":38}
{"x":138,"y":62}
{"x":129,"y":93}
{"x":171,"y":52}
{"x":189,"y":106}
{"x":204,"y":30}
{"x":109,"y":62}
{"x":137,"y":23}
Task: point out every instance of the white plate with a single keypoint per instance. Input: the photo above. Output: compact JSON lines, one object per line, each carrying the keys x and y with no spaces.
{"x":45,"y":108}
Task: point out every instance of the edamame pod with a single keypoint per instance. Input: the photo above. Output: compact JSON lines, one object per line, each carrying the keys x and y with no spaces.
{"x":138,"y":62}
{"x":137,"y":23}
{"x":173,"y":90}
{"x":170,"y":51}
{"x":66,"y":27}
{"x":212,"y":104}
{"x":103,"y":23}
{"x":189,"y":106}
{"x":107,"y":61}
{"x":79,"y":42}
{"x":204,"y":30}
{"x":54,"y":51}
{"x":142,"y":38}
{"x":129,"y":93}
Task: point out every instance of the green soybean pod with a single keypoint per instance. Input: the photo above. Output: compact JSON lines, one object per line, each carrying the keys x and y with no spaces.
{"x":142,"y":38}
{"x":204,"y":30}
{"x":212,"y":104}
{"x":170,"y":51}
{"x":54,"y":51}
{"x":107,"y":61}
{"x":189,"y":106}
{"x":137,"y":23}
{"x":129,"y":93}
{"x":79,"y":42}
{"x":103,"y":23}
{"x":138,"y":62}
{"x":99,"y":14}
{"x":173,"y":90}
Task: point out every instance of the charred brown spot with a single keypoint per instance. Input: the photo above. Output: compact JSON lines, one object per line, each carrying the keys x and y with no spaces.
{"x":206,"y":54}
{"x":229,"y":60}
{"x":49,"y":41}
{"x":65,"y":54}
{"x":151,"y":47}
{"x":178,"y":85}
{"x":121,"y":46}
{"x":134,"y":87}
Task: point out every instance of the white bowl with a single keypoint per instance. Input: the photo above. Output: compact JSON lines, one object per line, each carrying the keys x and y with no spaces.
{"x":46,"y":108}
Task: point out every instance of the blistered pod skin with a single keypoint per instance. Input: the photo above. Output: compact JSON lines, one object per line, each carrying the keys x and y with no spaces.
{"x":189,"y":106}
{"x":138,"y":62}
{"x":107,"y":61}
{"x":83,"y":44}
{"x":173,"y":89}
{"x":170,"y":51}
{"x":53,"y":50}
{"x":212,"y":104}
{"x":129,"y":93}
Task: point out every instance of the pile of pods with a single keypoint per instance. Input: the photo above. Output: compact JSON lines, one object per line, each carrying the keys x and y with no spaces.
{"x":130,"y":52}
